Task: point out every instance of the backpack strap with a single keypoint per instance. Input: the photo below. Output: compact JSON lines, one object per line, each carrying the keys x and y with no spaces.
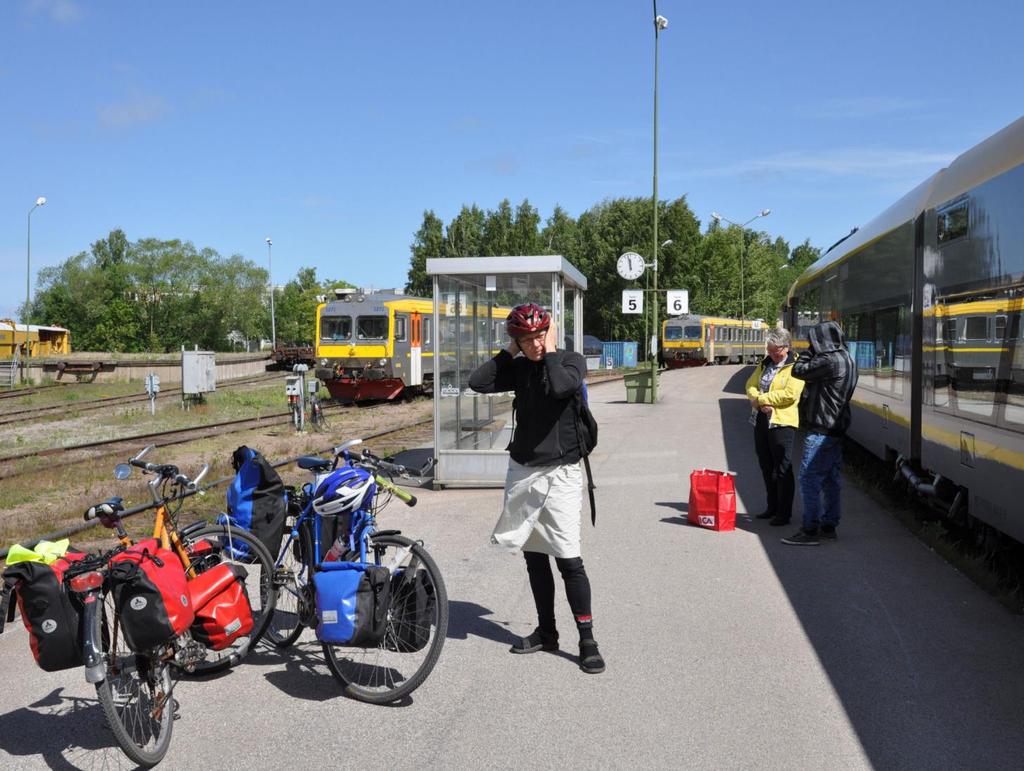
{"x":7,"y":603}
{"x":578,"y":397}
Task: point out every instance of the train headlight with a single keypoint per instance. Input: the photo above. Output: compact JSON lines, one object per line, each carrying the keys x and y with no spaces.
{"x":383,"y":362}
{"x":323,"y":362}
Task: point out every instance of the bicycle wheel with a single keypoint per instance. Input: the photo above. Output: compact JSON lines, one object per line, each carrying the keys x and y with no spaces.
{"x":293,"y":605}
{"x":412,"y":641}
{"x":217,"y":544}
{"x":135,"y":695}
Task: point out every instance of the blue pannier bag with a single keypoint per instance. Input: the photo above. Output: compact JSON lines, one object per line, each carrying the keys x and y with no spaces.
{"x":352,"y":603}
{"x":256,"y":501}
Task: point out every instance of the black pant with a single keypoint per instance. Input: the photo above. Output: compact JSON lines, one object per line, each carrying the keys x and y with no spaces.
{"x":774,"y":453}
{"x":542,"y":583}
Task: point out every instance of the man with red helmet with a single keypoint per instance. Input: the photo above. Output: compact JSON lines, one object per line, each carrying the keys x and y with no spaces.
{"x":544,"y":483}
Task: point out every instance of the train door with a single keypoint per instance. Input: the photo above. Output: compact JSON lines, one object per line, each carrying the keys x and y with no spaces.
{"x":401,"y":348}
{"x":416,"y":349}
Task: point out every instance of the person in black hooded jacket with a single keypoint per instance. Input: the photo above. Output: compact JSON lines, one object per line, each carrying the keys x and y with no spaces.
{"x":830,"y":377}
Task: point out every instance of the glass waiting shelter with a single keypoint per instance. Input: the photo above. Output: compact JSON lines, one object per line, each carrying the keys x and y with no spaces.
{"x":472,"y":297}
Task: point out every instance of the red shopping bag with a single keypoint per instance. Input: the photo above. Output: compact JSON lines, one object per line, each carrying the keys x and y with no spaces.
{"x":712,"y":500}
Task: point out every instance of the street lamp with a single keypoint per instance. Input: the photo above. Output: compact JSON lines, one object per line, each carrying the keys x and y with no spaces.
{"x":40,"y":201}
{"x":743,"y":253}
{"x":660,"y":23}
{"x":270,"y":274}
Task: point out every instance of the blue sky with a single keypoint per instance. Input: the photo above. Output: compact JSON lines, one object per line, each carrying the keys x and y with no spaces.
{"x":331,"y":126}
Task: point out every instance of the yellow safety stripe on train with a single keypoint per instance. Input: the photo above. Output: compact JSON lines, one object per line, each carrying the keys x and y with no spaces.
{"x":1004,"y":305}
{"x":982,"y":448}
{"x":993,"y":349}
{"x":681,"y":344}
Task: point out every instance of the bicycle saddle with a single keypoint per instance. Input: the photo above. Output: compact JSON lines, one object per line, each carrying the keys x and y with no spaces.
{"x":313,"y":463}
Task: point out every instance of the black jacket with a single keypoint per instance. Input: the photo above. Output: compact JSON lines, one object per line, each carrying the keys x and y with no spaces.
{"x":830,"y":376}
{"x":546,"y":432}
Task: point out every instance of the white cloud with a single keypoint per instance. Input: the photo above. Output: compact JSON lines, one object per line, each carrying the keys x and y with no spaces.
{"x":846,"y":162}
{"x":503,"y":164}
{"x":60,"y":11}
{"x":137,"y":110}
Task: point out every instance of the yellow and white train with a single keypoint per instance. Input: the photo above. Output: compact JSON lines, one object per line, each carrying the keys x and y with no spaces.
{"x":693,"y":341}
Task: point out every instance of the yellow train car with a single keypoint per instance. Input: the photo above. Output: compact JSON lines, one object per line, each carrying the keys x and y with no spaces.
{"x":378,"y":345}
{"x":33,"y":340}
{"x":693,"y":341}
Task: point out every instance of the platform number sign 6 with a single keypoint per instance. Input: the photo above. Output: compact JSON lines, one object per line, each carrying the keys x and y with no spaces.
{"x":678,"y":302}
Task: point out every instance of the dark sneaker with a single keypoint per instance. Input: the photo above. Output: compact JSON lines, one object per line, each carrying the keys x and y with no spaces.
{"x":828,"y":533}
{"x":779,"y":521}
{"x":765,"y":515}
{"x":538,"y":640}
{"x":802,"y":538}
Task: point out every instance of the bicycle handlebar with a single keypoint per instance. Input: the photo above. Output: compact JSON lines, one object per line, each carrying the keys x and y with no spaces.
{"x":403,"y":495}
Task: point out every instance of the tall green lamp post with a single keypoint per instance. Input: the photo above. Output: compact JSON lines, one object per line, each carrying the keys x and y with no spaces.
{"x":743,"y":254}
{"x":660,"y":23}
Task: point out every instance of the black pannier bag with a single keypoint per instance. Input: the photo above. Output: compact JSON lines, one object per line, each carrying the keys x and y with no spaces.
{"x":256,"y":500}
{"x":151,"y":595}
{"x":48,"y":610}
{"x":412,"y":608}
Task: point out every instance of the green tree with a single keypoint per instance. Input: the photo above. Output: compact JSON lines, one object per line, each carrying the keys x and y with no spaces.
{"x":428,"y":242}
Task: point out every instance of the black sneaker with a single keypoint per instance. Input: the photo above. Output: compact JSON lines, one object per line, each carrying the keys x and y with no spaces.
{"x":828,"y":532}
{"x":765,"y":515}
{"x":778,"y":521}
{"x":802,"y":538}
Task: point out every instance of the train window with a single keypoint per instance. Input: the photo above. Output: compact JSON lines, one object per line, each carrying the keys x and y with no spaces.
{"x":400,"y":329}
{"x":951,"y":222}
{"x":949,"y":330}
{"x":1000,"y":328}
{"x":976,"y":328}
{"x":673,"y":333}
{"x":333,"y":328}
{"x":372,"y":328}
{"x":427,"y":321}
{"x":691,"y":332}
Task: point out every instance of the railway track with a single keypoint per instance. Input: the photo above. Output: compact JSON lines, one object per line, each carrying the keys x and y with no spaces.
{"x":31,"y":413}
{"x":29,"y":391}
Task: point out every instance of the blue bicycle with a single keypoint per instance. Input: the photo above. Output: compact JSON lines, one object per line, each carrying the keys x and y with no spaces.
{"x":401,"y":607}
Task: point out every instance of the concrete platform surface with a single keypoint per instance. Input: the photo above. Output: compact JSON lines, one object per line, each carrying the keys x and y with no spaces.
{"x":724,"y":650}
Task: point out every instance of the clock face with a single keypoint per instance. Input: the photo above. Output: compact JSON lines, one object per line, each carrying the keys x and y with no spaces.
{"x":631,"y":266}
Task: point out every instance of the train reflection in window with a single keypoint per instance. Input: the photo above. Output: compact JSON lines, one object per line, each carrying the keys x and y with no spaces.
{"x":979,"y":369}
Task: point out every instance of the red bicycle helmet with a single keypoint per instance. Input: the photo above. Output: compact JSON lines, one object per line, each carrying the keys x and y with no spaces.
{"x":526,"y":319}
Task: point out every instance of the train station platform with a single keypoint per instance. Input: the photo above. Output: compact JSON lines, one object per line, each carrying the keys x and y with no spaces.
{"x":724,"y":650}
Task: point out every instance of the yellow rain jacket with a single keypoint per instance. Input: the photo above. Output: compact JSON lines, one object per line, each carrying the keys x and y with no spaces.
{"x":783,"y":394}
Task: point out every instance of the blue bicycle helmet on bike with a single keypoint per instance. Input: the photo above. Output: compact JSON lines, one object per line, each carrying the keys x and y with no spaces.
{"x":345,"y":490}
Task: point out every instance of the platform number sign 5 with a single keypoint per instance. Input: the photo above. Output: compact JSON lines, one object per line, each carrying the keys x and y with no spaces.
{"x":632,"y":301}
{"x":678,"y":302}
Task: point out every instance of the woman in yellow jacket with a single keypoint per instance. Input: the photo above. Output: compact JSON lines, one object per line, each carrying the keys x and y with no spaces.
{"x":774,"y":399}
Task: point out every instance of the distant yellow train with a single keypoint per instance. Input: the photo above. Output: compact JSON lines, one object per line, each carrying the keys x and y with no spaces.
{"x":33,"y":340}
{"x":693,"y":341}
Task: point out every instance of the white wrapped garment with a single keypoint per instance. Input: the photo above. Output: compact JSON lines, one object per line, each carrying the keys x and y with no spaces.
{"x":542,"y":510}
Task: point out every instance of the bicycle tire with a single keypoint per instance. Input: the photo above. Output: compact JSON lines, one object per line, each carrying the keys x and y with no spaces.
{"x":290,"y":582}
{"x":259,"y":567}
{"x":126,"y":696}
{"x":385,"y":673}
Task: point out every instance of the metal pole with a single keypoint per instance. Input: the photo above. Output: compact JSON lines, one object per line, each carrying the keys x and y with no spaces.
{"x":654,"y":294}
{"x":270,"y":269}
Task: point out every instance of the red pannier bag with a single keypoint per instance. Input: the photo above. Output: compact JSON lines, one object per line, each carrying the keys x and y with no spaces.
{"x":150,"y":595}
{"x":712,"y":500}
{"x":223,"y":612}
{"x":50,"y":614}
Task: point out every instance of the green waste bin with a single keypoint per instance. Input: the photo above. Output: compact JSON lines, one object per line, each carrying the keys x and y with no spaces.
{"x":638,"y":387}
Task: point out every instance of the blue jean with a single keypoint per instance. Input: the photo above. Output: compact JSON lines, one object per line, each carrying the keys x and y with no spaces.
{"x":819,"y":474}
